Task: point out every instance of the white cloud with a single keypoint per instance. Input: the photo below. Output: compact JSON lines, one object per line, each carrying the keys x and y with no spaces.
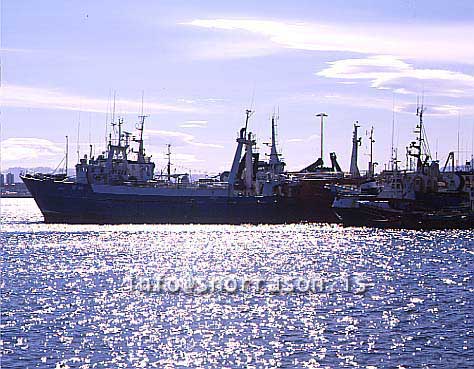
{"x":194,"y":124}
{"x":30,"y":152}
{"x":440,"y":110}
{"x":178,"y":159}
{"x":186,"y":158}
{"x":300,"y":140}
{"x":208,"y":100}
{"x":232,"y":49}
{"x":346,"y":99}
{"x":390,"y":73}
{"x":368,"y":102}
{"x":178,"y":139}
{"x":447,"y":42}
{"x":37,"y":97}
{"x":33,"y":152}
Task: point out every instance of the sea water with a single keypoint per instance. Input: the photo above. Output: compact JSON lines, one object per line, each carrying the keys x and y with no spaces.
{"x":86,"y":296}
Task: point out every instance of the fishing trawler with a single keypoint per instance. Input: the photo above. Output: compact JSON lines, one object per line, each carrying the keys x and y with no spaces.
{"x":120,"y":186}
{"x":423,"y":198}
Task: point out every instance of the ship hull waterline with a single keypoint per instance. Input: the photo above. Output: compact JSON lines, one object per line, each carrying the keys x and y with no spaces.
{"x":366,"y":217}
{"x":68,"y":202}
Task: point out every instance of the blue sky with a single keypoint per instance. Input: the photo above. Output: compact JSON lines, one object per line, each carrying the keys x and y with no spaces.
{"x":202,"y":63}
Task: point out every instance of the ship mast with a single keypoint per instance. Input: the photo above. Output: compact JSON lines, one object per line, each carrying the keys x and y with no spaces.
{"x":168,"y":167}
{"x":422,"y":152}
{"x":113,"y":110}
{"x":248,"y":114}
{"x":393,"y":158}
{"x":141,"y":149}
{"x":112,"y":123}
{"x":356,"y":141}
{"x":241,"y":141}
{"x":371,"y":162}
{"x":120,"y":122}
{"x":67,"y":152}
{"x":273,"y":149}
{"x":419,"y":113}
{"x":276,"y":164}
{"x":140,"y":128}
{"x":274,"y":156}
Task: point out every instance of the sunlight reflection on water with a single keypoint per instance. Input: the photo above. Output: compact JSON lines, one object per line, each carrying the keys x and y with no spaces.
{"x":64,"y":304}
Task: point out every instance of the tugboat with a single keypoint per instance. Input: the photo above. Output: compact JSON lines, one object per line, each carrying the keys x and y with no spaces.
{"x":424,"y":198}
{"x":120,"y":186}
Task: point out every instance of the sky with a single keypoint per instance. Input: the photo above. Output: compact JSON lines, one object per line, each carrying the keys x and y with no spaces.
{"x":201,"y":64}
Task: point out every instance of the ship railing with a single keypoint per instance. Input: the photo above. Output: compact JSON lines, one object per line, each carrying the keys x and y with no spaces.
{"x":57,"y":177}
{"x":204,"y":186}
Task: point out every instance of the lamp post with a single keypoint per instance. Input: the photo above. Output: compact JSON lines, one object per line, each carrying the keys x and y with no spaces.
{"x":322,"y":115}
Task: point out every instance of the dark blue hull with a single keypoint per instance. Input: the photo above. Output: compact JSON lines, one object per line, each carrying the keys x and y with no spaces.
{"x":369,"y":217}
{"x":62,"y":202}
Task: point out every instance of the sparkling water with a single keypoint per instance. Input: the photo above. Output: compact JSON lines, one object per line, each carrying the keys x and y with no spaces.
{"x":79,"y":296}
